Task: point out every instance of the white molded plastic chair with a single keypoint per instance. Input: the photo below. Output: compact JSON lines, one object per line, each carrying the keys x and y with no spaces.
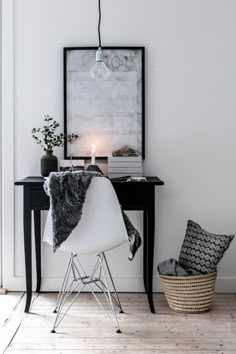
{"x":100,"y":229}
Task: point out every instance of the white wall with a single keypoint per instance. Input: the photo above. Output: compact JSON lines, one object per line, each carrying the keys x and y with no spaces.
{"x":190,"y":112}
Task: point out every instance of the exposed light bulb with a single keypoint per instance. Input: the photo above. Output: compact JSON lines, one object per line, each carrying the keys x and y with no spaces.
{"x":99,"y":71}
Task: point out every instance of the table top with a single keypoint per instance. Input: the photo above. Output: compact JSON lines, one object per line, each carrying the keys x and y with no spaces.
{"x":39,"y":180}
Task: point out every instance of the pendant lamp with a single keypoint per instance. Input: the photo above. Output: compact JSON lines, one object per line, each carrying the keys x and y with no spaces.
{"x":99,"y":71}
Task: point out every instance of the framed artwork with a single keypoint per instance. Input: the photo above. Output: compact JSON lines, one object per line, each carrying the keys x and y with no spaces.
{"x":106,"y":113}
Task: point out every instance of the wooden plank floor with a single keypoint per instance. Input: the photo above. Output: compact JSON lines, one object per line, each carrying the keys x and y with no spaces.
{"x":86,"y":329}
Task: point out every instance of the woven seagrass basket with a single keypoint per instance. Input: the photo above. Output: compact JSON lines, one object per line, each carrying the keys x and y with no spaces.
{"x":191,"y":294}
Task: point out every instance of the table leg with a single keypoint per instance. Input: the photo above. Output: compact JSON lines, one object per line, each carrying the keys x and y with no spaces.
{"x":37,"y":231}
{"x":27,"y":247}
{"x":145,"y":234}
{"x":150,"y":253}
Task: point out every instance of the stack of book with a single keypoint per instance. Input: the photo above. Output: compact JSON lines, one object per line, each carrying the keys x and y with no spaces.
{"x":124,"y":166}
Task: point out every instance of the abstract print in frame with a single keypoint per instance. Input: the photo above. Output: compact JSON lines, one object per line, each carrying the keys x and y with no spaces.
{"x":108,"y":113}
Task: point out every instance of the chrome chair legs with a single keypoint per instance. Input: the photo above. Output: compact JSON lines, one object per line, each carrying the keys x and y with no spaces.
{"x":76,"y":280}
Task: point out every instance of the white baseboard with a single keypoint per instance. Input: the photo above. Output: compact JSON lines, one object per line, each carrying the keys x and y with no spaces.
{"x":123,"y":284}
{"x":226,"y":284}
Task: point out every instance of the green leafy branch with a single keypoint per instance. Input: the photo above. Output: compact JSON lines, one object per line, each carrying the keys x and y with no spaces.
{"x":47,"y":138}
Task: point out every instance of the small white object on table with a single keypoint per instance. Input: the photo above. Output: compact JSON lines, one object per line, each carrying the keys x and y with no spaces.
{"x":93,"y":154}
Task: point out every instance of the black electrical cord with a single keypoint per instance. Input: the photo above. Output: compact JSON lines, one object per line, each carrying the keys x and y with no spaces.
{"x":99,"y":24}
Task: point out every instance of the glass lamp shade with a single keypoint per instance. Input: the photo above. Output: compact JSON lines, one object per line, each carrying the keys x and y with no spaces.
{"x":99,"y":71}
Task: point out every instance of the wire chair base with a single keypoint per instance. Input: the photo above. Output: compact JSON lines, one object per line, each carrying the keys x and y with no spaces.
{"x":79,"y":281}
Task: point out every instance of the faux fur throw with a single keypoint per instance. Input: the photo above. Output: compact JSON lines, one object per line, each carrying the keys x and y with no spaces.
{"x":67,"y":192}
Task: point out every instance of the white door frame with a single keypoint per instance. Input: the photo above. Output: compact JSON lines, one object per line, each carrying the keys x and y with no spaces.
{"x":1,"y":144}
{"x":8,"y":143}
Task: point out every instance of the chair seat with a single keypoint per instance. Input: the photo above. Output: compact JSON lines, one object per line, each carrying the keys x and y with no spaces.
{"x":101,"y":227}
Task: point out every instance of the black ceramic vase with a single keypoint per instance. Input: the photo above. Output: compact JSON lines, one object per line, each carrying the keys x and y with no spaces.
{"x":48,"y":164}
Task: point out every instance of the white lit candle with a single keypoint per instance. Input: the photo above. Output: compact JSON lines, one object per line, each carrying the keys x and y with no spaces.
{"x":93,"y":154}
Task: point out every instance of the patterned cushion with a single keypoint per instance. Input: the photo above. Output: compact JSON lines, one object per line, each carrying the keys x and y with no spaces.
{"x":202,"y":250}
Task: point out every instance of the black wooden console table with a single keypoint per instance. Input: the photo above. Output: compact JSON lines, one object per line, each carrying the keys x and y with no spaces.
{"x":131,"y":195}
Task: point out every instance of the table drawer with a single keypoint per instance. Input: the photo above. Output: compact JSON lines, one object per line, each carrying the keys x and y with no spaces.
{"x":38,"y":198}
{"x":133,"y":196}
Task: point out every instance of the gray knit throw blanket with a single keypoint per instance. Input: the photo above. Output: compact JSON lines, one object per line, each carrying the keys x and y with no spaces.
{"x":67,"y":192}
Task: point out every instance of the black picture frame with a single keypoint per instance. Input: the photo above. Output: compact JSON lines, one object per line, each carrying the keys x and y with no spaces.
{"x":66,"y":50}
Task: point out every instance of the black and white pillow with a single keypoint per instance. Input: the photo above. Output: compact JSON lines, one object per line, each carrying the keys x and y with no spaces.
{"x":202,"y":250}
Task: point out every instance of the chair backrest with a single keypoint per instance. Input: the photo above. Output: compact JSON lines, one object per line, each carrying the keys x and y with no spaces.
{"x":101,"y":226}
